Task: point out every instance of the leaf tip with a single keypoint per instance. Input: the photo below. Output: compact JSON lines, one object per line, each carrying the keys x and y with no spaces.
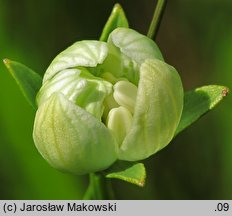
{"x":6,"y":61}
{"x":141,"y":183}
{"x":117,"y":6}
{"x":225,"y":92}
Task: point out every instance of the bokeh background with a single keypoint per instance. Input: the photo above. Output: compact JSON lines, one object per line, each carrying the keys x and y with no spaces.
{"x":195,"y":36}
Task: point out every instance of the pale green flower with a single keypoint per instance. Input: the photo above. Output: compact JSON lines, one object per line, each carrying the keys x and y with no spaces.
{"x":100,"y":102}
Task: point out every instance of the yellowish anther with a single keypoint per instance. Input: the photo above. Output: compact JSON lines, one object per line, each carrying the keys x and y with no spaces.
{"x":119,"y":121}
{"x":125,"y":94}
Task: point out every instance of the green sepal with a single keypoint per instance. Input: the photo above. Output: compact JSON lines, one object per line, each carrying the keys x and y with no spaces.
{"x":28,"y":81}
{"x":132,"y":172}
{"x":198,"y":102}
{"x":117,"y":19}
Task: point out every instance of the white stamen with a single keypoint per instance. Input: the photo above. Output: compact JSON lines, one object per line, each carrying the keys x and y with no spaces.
{"x":125,"y":94}
{"x":119,"y":121}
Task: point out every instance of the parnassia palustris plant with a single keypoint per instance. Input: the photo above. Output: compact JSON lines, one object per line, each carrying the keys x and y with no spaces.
{"x":104,"y":105}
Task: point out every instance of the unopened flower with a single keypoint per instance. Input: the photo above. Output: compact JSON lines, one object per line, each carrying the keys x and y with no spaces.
{"x":104,"y":101}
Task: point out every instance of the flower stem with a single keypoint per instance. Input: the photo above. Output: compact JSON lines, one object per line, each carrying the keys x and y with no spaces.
{"x":158,"y":13}
{"x":99,"y":188}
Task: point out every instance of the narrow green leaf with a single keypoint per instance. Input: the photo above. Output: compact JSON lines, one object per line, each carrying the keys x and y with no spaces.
{"x":132,"y":172}
{"x":198,"y":102}
{"x":117,"y":19}
{"x":29,"y":82}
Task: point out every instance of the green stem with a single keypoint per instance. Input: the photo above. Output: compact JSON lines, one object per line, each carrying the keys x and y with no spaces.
{"x":99,"y":188}
{"x":158,"y":13}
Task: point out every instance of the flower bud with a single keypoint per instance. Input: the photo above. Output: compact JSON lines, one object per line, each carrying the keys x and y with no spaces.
{"x":103,"y":101}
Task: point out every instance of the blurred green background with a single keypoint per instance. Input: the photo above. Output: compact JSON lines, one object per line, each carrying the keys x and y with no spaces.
{"x":195,"y":36}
